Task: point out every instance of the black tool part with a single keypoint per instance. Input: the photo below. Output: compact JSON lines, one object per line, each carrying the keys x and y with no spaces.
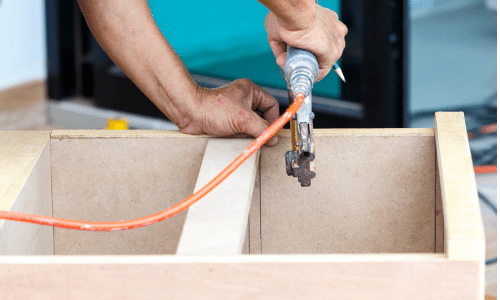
{"x":300,"y":166}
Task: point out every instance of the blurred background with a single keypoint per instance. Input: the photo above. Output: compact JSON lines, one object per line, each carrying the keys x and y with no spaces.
{"x":403,"y":61}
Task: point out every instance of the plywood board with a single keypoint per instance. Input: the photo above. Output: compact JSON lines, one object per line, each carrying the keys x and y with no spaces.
{"x":439,"y":214}
{"x":131,"y":134}
{"x":254,"y":239}
{"x":464,"y":233}
{"x":217,"y":224}
{"x":112,"y":179}
{"x":25,"y":187}
{"x":243,"y":277}
{"x":373,"y":192}
{"x":463,"y":230}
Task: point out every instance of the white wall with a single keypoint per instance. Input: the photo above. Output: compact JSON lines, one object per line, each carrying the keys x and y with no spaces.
{"x":22,"y":42}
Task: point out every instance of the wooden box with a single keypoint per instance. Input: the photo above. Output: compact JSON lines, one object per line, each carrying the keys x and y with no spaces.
{"x":391,"y":214}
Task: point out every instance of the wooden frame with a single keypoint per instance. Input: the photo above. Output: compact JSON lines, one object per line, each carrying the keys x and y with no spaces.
{"x":393,"y":213}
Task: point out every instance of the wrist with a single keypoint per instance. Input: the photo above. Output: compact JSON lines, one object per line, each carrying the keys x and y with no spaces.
{"x":177,"y":95}
{"x":300,"y":17}
{"x":180,"y":102}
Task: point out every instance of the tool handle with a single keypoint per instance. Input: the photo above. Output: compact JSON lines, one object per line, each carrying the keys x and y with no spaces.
{"x":299,"y":58}
{"x":301,"y":70}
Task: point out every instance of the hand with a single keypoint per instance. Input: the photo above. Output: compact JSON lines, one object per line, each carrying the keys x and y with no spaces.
{"x":235,"y":109}
{"x":323,"y":35}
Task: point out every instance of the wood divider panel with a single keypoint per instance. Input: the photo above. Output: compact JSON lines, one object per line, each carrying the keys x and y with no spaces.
{"x":373,"y":192}
{"x":217,"y":224}
{"x":121,"y":178}
{"x":25,"y":187}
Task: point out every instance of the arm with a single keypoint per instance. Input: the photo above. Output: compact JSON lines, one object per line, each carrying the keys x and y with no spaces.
{"x":306,"y":25}
{"x":128,"y":33}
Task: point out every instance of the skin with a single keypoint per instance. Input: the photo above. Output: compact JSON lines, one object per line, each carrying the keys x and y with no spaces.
{"x":128,"y":33}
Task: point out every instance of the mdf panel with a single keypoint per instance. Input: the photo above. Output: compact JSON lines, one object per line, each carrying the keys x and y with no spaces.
{"x":375,"y":280}
{"x":439,"y":215}
{"x":371,"y":194}
{"x":25,"y":187}
{"x":254,"y":224}
{"x":34,"y":197}
{"x":115,"y":179}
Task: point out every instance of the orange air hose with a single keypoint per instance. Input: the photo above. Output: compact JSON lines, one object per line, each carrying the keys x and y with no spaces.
{"x":486,"y":169}
{"x":173,"y":210}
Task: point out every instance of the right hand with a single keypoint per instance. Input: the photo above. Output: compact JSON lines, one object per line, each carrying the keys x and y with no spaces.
{"x":323,"y":35}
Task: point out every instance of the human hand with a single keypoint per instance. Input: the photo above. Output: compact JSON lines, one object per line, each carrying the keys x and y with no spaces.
{"x":323,"y":35}
{"x":236,"y":109}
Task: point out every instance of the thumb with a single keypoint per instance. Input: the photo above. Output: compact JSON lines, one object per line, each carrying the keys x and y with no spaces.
{"x":279,"y":51}
{"x":281,"y":60}
{"x":256,"y":126}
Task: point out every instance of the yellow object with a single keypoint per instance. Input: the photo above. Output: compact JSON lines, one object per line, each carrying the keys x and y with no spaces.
{"x":114,"y":124}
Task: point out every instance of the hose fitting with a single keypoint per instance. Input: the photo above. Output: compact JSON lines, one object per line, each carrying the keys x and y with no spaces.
{"x":301,"y":70}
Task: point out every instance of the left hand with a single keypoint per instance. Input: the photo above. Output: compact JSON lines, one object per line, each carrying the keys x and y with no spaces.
{"x":236,"y":109}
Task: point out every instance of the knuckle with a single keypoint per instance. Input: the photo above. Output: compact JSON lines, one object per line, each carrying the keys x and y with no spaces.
{"x":344,"y":29}
{"x":244,"y":82}
{"x":334,"y":15}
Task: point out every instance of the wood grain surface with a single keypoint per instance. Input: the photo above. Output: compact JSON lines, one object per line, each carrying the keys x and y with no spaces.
{"x":217,"y":225}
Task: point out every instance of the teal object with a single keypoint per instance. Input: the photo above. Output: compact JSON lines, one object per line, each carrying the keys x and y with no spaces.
{"x":227,"y":39}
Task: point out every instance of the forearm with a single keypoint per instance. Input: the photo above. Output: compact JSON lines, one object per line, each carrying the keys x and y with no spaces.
{"x":128,"y":33}
{"x":292,"y":14}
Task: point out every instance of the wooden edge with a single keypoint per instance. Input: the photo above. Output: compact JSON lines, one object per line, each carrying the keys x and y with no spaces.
{"x":439,"y":221}
{"x":19,"y":153}
{"x":463,"y":229}
{"x":240,"y":278}
{"x":35,"y":197}
{"x":83,"y":134}
{"x":89,"y":134}
{"x":463,"y":225}
{"x":218,"y":223}
{"x":181,"y":259}
{"x":368,"y":132}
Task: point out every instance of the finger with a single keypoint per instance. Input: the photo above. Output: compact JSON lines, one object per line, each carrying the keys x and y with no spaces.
{"x":322,"y":74}
{"x":281,"y":60}
{"x":278,"y":47}
{"x":256,"y":127}
{"x":266,"y":104}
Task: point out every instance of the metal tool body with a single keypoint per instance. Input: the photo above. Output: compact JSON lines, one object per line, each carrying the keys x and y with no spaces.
{"x":301,"y":71}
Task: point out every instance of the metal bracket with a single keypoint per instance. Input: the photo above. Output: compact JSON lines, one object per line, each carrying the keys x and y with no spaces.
{"x":301,"y":166}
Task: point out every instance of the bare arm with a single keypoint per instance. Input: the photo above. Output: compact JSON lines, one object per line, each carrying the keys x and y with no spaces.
{"x":128,"y":33}
{"x":306,"y":25}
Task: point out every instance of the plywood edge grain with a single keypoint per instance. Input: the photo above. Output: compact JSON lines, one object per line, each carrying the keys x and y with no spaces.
{"x":217,"y":224}
{"x":90,"y":134}
{"x":368,"y":132}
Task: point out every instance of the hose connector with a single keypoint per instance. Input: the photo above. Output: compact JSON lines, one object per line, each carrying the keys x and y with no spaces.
{"x":301,"y":70}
